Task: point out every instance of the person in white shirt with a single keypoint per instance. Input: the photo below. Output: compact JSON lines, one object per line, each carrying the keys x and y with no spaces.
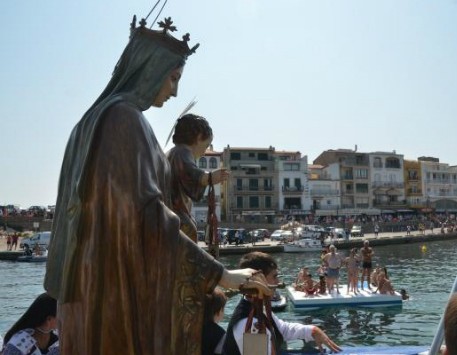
{"x":278,"y":331}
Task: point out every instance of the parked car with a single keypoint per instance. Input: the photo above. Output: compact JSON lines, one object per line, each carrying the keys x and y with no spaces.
{"x":276,"y":235}
{"x":259,"y":235}
{"x":41,"y":238}
{"x":201,"y":236}
{"x":356,"y":231}
{"x":237,"y":238}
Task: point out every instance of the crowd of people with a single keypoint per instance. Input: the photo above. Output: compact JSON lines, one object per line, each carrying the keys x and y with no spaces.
{"x":360,"y":273}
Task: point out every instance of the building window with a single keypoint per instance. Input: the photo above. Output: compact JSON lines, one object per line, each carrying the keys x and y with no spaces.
{"x":361,"y":173}
{"x":377,"y":163}
{"x":202,"y":163}
{"x":253,"y":184}
{"x":286,"y":184}
{"x":239,"y":202}
{"x":361,"y":188}
{"x":262,"y":156}
{"x":267,"y":185}
{"x":291,"y":167}
{"x":297,"y":184}
{"x":235,"y":156}
{"x":251,"y":155}
{"x":267,"y":201}
{"x":239,"y":184}
{"x":213,"y":163}
{"x":393,"y":163}
{"x":253,"y":201}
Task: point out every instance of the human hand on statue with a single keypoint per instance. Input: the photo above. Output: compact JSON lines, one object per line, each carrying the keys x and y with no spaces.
{"x":246,"y":279}
{"x":220,"y":175}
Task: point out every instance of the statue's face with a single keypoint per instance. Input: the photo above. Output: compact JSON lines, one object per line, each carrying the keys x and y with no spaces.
{"x":169,"y":87}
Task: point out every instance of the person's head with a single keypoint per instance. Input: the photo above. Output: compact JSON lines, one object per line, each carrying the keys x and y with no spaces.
{"x":404,"y":294}
{"x":214,"y":306}
{"x":41,"y":314}
{"x":332,"y":249}
{"x":263,"y":262}
{"x":193,"y":131}
{"x":450,"y":325}
{"x":366,"y":243}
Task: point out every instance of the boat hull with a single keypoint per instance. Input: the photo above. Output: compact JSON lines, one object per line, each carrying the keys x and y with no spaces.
{"x":302,"y":246}
{"x":364,"y":298}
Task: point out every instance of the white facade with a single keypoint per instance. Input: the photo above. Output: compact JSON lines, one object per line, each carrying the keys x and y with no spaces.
{"x":211,"y":161}
{"x":293,"y":190}
{"x":387,"y":183}
{"x":324,"y":189}
{"x":439,"y":184}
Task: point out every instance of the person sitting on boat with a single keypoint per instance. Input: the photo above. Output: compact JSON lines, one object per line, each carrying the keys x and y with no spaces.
{"x":27,"y":250}
{"x":374,"y":276}
{"x":37,"y":250}
{"x":300,"y":280}
{"x":333,"y":261}
{"x":277,"y":330}
{"x":384,"y":285}
{"x":310,"y":287}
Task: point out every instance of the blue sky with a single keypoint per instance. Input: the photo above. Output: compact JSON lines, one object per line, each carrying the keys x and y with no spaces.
{"x":294,"y":74}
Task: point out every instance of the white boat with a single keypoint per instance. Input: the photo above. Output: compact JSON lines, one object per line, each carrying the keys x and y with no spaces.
{"x":364,"y":298}
{"x":303,"y":245}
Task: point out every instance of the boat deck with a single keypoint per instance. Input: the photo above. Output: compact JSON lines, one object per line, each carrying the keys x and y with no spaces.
{"x":364,"y":298}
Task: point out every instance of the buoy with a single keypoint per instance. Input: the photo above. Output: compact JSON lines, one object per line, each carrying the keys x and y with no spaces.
{"x":424,"y":248}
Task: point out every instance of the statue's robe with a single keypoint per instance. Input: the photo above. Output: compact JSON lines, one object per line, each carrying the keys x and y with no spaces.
{"x":127,"y":280}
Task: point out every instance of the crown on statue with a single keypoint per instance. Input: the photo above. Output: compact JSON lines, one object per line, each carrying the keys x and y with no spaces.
{"x":163,"y":37}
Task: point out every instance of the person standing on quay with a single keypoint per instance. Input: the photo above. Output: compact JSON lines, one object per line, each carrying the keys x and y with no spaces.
{"x":126,"y":278}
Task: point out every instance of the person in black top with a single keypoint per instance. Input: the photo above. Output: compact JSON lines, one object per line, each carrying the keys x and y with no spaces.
{"x":213,"y":335}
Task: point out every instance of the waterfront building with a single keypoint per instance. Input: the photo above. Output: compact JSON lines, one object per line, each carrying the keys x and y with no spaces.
{"x":412,"y":175}
{"x":439,"y":185}
{"x":387,"y":182}
{"x":250,"y":194}
{"x":355,"y":188}
{"x":212,"y":160}
{"x":324,"y":189}
{"x":291,"y":169}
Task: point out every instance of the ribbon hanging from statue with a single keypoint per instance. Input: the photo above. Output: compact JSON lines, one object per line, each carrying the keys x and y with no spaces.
{"x":211,"y":236}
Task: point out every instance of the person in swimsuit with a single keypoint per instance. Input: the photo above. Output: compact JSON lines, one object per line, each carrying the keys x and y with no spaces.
{"x":367,"y":256}
{"x":333,"y":261}
{"x":352,"y":264}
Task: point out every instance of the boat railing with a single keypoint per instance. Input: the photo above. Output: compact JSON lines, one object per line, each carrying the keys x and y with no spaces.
{"x":439,"y":335}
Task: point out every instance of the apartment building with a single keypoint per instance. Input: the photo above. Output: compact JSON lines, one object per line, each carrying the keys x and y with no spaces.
{"x":293,"y":191}
{"x":210,"y":161}
{"x":387,"y":182}
{"x":439,"y":184}
{"x":251,"y":193}
{"x":324,"y":189}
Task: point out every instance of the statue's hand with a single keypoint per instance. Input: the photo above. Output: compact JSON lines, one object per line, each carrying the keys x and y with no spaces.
{"x":257,"y":284}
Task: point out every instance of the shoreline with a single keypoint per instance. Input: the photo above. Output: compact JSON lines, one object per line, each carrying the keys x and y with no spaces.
{"x":276,"y":247}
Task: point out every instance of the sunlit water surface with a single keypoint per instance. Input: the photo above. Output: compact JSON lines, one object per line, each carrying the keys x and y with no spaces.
{"x":427,"y":271}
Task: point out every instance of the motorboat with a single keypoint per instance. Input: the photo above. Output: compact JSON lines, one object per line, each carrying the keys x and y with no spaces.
{"x":363,"y":298}
{"x":279,"y":303}
{"x":32,"y":258}
{"x":302,"y":245}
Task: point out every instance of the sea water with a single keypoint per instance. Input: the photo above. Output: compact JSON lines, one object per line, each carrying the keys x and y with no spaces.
{"x":426,"y":270}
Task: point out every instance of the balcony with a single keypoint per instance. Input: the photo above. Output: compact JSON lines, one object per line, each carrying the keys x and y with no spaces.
{"x":388,"y":184}
{"x":293,"y":188}
{"x":253,"y":188}
{"x":324,"y":192}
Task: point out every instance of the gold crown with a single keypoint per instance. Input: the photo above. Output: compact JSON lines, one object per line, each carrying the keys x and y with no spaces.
{"x":163,"y":37}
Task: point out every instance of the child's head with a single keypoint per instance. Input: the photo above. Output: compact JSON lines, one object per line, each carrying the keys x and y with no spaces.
{"x":214,"y":306}
{"x":190,"y":129}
